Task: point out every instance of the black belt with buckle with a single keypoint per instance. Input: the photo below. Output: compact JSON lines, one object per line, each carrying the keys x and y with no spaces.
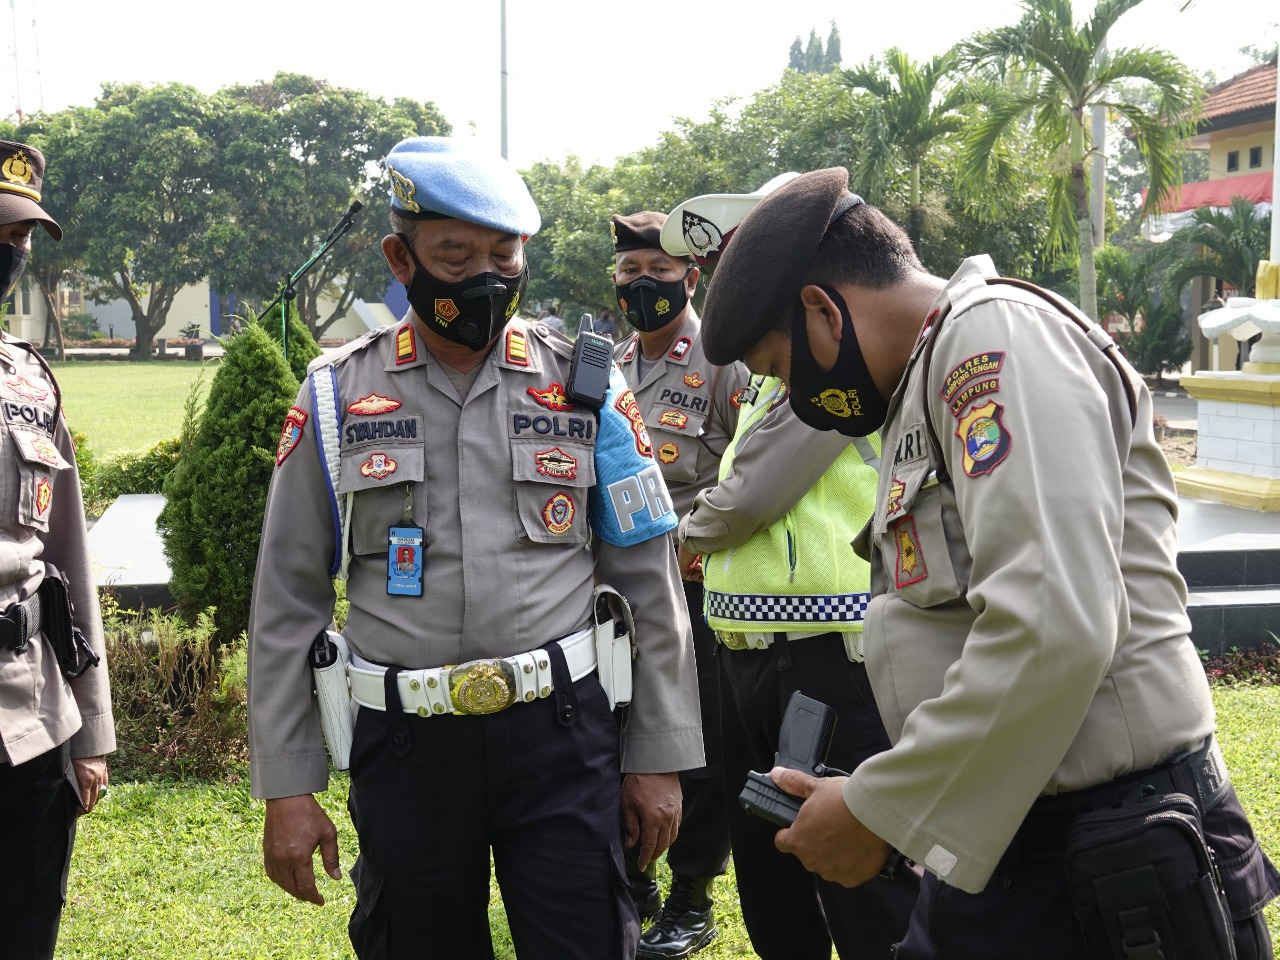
{"x":1199,"y":773}
{"x":19,"y":624}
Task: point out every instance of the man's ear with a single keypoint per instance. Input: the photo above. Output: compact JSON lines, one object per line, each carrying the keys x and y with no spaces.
{"x":692,"y":278}
{"x":823,"y":323}
{"x":398,"y":259}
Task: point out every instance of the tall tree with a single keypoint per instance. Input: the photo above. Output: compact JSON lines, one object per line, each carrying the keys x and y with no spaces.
{"x":813,"y":54}
{"x":912,"y":111}
{"x":1223,"y":244}
{"x":832,"y":57}
{"x":305,"y":150}
{"x":153,"y":184}
{"x":795,"y":59}
{"x":1066,"y":76}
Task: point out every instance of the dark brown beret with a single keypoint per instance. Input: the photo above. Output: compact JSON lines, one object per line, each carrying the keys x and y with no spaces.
{"x":760,"y":274}
{"x":637,"y":231}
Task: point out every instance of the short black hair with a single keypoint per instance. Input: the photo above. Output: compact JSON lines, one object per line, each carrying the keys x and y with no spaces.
{"x":863,"y":248}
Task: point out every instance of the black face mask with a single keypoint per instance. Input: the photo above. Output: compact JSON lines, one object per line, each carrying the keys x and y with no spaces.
{"x":843,"y":398}
{"x":470,"y":312}
{"x":650,"y":304}
{"x":12,"y":263}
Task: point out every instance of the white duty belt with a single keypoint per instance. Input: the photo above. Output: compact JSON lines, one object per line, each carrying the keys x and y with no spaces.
{"x":477,"y":687}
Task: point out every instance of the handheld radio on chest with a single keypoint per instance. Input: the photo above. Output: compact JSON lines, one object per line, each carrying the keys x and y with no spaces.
{"x":592,"y":359}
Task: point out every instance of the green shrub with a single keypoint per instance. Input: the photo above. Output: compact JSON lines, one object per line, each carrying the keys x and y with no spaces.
{"x":216,"y":496}
{"x":179,"y":701}
{"x":302,"y":346}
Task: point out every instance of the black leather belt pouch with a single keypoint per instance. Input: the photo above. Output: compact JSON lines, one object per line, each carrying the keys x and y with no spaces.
{"x":65,"y":639}
{"x":1145,"y":885}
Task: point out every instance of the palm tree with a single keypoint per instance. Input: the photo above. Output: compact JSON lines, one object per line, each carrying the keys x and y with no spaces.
{"x":912,"y":112}
{"x":1223,"y":244}
{"x":1065,"y":73}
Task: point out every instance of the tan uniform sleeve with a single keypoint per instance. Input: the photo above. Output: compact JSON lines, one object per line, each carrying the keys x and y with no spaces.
{"x":66,"y":547}
{"x":293,"y":601}
{"x":773,"y":468}
{"x":663,"y":732}
{"x":1043,"y":521}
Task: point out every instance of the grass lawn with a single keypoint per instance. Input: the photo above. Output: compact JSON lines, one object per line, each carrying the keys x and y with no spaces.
{"x":164,"y":871}
{"x":125,"y":407}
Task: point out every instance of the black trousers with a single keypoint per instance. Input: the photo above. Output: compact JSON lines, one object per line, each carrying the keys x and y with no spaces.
{"x":1026,"y":910}
{"x":792,"y":914}
{"x":536,"y":784}
{"x":701,"y":848}
{"x":37,"y":833}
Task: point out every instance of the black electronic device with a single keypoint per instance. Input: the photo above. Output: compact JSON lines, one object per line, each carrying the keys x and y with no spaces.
{"x":803,"y":741}
{"x":592,"y":363}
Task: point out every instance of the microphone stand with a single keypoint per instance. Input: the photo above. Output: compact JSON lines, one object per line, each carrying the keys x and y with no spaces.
{"x":290,"y":292}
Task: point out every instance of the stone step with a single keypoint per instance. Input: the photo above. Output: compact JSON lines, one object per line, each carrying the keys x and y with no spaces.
{"x":1233,"y":595}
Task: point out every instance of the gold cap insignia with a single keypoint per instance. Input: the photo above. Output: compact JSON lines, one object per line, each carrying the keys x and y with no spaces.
{"x":404,"y":190}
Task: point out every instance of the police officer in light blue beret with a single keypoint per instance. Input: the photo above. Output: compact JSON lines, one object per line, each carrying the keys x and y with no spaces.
{"x":473,"y":500}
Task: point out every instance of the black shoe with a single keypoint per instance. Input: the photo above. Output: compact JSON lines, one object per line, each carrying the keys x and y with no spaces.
{"x":647,"y":897}
{"x":685,"y":924}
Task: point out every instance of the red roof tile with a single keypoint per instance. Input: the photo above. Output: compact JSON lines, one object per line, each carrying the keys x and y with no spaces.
{"x":1251,"y":90}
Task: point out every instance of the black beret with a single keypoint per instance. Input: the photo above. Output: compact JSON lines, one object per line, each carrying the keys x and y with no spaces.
{"x":637,"y":231}
{"x":761,"y":272}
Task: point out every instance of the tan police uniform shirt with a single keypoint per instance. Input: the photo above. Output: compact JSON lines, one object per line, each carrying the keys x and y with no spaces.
{"x":42,"y":521}
{"x":689,"y":406}
{"x":501,"y":483}
{"x":1028,"y":633}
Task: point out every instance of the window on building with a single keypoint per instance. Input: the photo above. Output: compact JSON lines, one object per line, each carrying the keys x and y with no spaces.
{"x":1255,"y":157}
{"x":1233,"y":161}
{"x":26,"y":299}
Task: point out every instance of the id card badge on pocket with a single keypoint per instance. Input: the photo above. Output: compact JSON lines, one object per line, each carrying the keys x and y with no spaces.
{"x":404,"y":561}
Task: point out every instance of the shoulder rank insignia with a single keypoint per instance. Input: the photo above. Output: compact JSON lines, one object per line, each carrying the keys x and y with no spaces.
{"x":631,"y":348}
{"x":25,"y":388}
{"x":556,"y":463}
{"x":986,"y":441}
{"x":406,"y":345}
{"x":910,"y":568}
{"x":378,"y":466}
{"x":674,"y":418}
{"x":680,"y":348}
{"x":627,"y":406}
{"x":557,"y":515}
{"x":668,"y":453}
{"x":44,"y":496}
{"x":290,"y":434}
{"x":693,"y":379}
{"x":517,"y":348}
{"x":553,"y":398}
{"x":372,"y":405}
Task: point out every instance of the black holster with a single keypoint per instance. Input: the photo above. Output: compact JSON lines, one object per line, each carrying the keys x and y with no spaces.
{"x":57,"y":622}
{"x":1145,"y":884}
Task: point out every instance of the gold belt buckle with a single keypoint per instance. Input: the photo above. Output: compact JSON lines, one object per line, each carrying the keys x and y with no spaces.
{"x":732,"y":639}
{"x":482,"y":686}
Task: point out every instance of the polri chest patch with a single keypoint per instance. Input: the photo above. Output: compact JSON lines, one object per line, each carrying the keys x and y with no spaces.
{"x":673,"y":418}
{"x":556,"y":463}
{"x":379,"y":466}
{"x":558,"y":513}
{"x":911,"y":446}
{"x":372,"y":405}
{"x":668,"y":453}
{"x":26,"y":389}
{"x":694,"y":379}
{"x":553,"y":397}
{"x":910,"y":567}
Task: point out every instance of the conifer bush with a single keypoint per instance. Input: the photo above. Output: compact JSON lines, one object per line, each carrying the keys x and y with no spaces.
{"x":216,"y":495}
{"x":302,"y":345}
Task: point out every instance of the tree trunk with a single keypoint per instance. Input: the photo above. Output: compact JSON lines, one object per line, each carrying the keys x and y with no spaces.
{"x":915,"y":220}
{"x":1088,"y":273}
{"x":53,"y":320}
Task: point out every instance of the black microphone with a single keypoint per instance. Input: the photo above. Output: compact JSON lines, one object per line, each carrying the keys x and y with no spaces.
{"x":345,"y":223}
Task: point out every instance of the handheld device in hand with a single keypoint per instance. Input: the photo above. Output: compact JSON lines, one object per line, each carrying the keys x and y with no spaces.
{"x":592,"y":360}
{"x":803,"y":741}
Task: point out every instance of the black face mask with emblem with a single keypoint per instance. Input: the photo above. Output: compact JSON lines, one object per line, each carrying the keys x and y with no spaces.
{"x":12,"y":264}
{"x":843,"y":398}
{"x":471,"y":312}
{"x":650,"y":304}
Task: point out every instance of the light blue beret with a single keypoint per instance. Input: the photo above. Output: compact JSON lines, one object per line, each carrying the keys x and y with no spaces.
{"x":441,"y":176}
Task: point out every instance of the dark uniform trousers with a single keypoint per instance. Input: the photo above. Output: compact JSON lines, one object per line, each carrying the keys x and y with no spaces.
{"x":37,"y":831}
{"x":1026,"y":909}
{"x":538,"y":783}
{"x":792,"y":914}
{"x":701,"y":848}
